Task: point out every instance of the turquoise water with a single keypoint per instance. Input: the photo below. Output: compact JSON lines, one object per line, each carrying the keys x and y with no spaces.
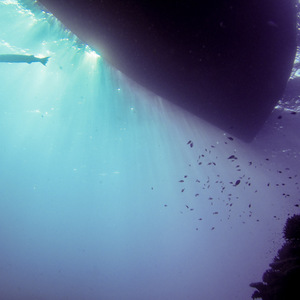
{"x":102,"y":196}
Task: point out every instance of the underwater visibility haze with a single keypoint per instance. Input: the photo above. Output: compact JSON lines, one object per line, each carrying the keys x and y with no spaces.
{"x":108,"y":191}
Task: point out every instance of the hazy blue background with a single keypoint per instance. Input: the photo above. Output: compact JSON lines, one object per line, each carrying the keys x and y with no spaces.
{"x":91,"y":203}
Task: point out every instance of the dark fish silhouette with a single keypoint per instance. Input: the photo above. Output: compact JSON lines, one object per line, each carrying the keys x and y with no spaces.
{"x":17,"y":58}
{"x":190,"y":143}
{"x":237,"y":183}
{"x":232,"y":157}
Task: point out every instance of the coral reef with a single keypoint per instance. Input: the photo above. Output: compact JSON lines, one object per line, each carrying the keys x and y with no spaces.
{"x":282,"y":281}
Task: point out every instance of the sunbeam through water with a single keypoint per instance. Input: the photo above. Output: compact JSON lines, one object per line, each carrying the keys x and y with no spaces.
{"x":111,"y":192}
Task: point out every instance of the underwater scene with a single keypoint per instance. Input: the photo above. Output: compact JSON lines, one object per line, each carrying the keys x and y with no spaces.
{"x":108,"y":191}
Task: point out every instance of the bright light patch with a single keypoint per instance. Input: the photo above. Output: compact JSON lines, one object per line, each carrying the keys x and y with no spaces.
{"x":157,"y":199}
{"x":297,"y":74}
{"x":7,"y":2}
{"x":91,"y":53}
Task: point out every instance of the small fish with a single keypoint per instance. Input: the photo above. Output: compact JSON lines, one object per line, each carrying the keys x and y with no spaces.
{"x":215,"y":213}
{"x":182,"y":190}
{"x":181,"y":180}
{"x":237,"y":183}
{"x":230,"y":138}
{"x":232,"y":157}
{"x":190,"y":143}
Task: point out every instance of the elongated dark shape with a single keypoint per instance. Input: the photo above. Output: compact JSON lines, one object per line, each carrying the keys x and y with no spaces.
{"x":17,"y":58}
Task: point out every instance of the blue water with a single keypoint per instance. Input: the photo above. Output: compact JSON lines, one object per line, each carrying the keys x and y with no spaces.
{"x":91,"y":200}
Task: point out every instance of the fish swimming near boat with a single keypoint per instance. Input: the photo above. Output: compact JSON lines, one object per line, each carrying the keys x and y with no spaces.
{"x":18,"y":58}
